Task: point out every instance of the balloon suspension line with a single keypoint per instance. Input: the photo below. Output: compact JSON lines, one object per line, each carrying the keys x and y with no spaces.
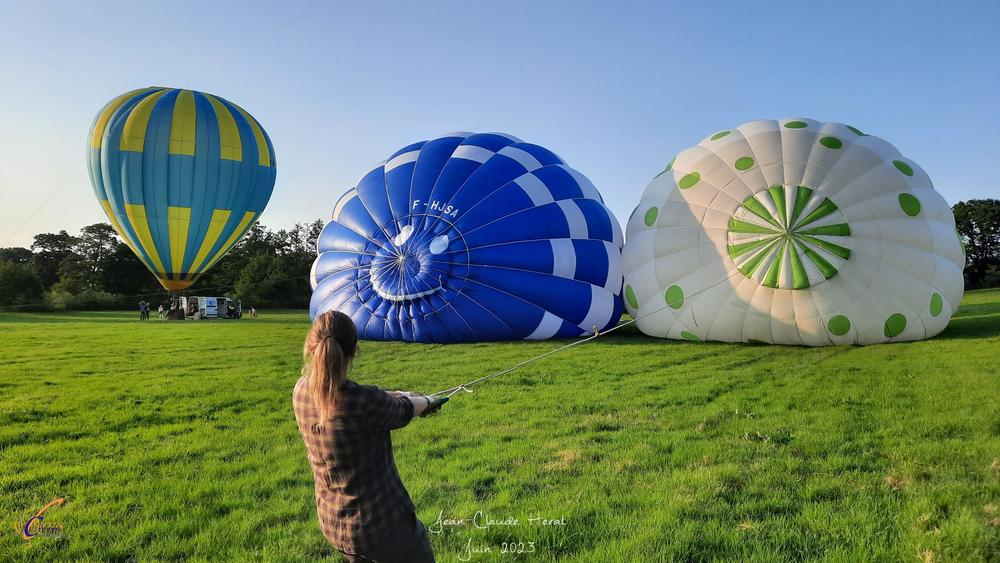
{"x":62,"y":184}
{"x":466,"y":387}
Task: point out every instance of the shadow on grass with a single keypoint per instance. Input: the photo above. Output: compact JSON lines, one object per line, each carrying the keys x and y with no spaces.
{"x":974,"y":320}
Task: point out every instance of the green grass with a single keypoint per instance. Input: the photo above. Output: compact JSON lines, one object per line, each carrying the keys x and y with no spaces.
{"x":176,"y":441}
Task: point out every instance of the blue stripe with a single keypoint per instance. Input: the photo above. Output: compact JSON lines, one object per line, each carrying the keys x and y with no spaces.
{"x":591,"y":261}
{"x":204,"y":178}
{"x":560,"y":183}
{"x":155,"y":174}
{"x":371,"y":192}
{"x":598,"y":219}
{"x":115,"y":165}
{"x":488,"y":141}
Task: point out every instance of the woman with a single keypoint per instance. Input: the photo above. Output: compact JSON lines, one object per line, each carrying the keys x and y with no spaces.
{"x":362,"y":506}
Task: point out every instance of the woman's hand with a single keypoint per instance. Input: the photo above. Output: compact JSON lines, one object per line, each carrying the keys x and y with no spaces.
{"x":434,"y":403}
{"x":424,"y":405}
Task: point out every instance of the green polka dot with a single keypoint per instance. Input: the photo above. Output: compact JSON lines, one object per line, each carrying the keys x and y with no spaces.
{"x":796,"y":125}
{"x":690,"y":336}
{"x":856,"y":131}
{"x":903,"y":167}
{"x":839,"y":325}
{"x":937,"y":303}
{"x":689,"y":180}
{"x":895,"y":324}
{"x":720,"y":135}
{"x":675,"y":297}
{"x":630,"y":297}
{"x":650,"y":217}
{"x":831,"y":142}
{"x":744,"y":163}
{"x":910,"y":204}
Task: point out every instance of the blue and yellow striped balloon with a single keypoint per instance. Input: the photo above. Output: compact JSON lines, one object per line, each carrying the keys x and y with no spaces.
{"x":182,"y":175}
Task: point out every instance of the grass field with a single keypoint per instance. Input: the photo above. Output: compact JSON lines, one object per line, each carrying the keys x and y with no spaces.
{"x":177,"y":441}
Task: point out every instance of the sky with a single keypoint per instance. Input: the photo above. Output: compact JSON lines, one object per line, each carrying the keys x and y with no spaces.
{"x":615,"y":88}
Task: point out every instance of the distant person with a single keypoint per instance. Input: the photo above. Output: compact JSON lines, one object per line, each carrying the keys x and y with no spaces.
{"x":143,"y":310}
{"x":159,"y":311}
{"x":362,"y":505}
{"x":253,"y":312}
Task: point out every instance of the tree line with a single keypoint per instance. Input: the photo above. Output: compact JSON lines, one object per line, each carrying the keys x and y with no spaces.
{"x":96,"y":270}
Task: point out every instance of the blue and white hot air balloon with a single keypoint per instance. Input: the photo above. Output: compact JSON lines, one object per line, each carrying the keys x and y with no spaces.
{"x":471,"y":237}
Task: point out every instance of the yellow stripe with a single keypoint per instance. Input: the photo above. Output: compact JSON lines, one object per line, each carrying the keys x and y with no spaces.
{"x":118,"y":226}
{"x":215,"y":225}
{"x":230,"y":146}
{"x":182,"y":125}
{"x":102,"y":121}
{"x":241,"y":230}
{"x":258,"y":135}
{"x":178,"y":221}
{"x":137,"y":218}
{"x":134,"y":133}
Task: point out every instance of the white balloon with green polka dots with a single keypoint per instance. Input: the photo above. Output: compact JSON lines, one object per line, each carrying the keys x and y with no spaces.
{"x":792,"y":232}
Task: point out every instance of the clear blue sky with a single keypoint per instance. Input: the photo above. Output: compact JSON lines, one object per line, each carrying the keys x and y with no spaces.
{"x":615,"y":88}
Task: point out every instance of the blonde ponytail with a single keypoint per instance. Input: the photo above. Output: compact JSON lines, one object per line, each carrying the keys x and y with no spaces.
{"x":328,"y":351}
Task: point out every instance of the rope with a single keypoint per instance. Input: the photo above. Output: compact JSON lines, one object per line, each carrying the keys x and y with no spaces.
{"x":451,"y":391}
{"x":62,"y":184}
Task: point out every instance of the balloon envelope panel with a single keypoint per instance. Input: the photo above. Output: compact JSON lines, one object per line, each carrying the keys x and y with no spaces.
{"x":182,"y":175}
{"x":793,"y":232}
{"x":471,"y":237}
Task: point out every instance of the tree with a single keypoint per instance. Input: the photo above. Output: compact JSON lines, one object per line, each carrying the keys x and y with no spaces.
{"x":50,"y":249}
{"x":93,"y":249}
{"x":16,"y":254}
{"x":269,"y":281}
{"x":124,"y":274}
{"x":978,"y":223}
{"x":19,"y":284}
{"x":313,"y":230}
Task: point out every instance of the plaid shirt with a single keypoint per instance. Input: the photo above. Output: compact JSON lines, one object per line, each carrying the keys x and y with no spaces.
{"x":359,"y":495}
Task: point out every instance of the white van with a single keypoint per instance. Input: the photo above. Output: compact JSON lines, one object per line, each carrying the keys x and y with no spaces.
{"x":208,"y":307}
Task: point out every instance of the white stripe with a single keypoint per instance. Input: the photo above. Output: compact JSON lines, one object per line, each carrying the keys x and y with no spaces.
{"x":312,"y":274}
{"x":523,"y":158}
{"x":618,"y":237}
{"x":563,"y":258}
{"x":534,"y":188}
{"x":505,"y":136}
{"x":472,"y":152}
{"x":547,"y":328}
{"x":586,"y":186}
{"x":602,"y":304}
{"x":344,"y":200}
{"x":614,"y":281}
{"x":577,"y":222}
{"x":460,"y":134}
{"x":402,"y":159}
